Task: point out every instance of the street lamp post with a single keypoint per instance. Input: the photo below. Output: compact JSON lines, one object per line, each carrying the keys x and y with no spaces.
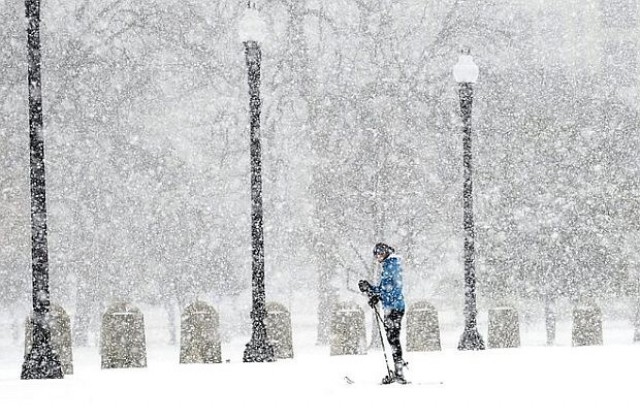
{"x":465,"y":73}
{"x":252,"y":33}
{"x":41,"y":362}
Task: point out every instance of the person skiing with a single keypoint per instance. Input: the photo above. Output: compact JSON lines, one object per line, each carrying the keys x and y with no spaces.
{"x":389,"y":292}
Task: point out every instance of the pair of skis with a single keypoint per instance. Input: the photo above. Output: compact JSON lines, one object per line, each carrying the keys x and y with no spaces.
{"x":350,"y":381}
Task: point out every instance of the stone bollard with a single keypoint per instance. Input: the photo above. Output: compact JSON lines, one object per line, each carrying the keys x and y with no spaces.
{"x":504,"y":328}
{"x":278,"y":324}
{"x":636,"y":322}
{"x":199,"y":337}
{"x":348,"y":334}
{"x":423,"y":327}
{"x":122,"y":338}
{"x":587,"y":326}
{"x":60,"y":327}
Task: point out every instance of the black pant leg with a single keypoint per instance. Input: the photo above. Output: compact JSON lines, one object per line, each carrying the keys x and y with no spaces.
{"x":392,"y":326}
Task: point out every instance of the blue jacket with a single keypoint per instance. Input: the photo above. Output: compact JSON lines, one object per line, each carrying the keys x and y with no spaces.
{"x":390,"y":287}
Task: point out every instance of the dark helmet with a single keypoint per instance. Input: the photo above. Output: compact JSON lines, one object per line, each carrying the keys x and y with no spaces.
{"x":382,"y":249}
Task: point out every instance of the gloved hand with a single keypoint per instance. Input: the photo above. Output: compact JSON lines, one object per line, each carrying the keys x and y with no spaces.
{"x":373,"y":300}
{"x":364,"y":286}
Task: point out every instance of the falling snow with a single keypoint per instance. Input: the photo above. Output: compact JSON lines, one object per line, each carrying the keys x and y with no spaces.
{"x":146,"y":135}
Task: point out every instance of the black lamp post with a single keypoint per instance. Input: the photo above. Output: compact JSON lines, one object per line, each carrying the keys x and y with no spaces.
{"x":466,"y":73}
{"x":252,"y":30}
{"x":41,"y":362}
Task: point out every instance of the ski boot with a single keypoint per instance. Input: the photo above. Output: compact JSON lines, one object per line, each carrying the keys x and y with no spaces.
{"x":399,"y":374}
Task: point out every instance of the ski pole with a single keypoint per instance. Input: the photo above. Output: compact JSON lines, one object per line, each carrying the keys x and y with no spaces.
{"x":384,"y":349}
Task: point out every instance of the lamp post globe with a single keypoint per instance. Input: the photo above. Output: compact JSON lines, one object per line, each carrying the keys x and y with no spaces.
{"x":465,"y":73}
{"x":252,"y":32}
{"x":465,"y":70}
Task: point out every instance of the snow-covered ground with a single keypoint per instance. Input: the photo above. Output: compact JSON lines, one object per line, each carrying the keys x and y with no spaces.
{"x":532,"y":382}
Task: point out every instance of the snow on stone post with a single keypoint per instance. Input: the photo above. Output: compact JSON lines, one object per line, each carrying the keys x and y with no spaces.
{"x":122,"y":338}
{"x":423,"y":327}
{"x":278,"y":324}
{"x":504,"y":328}
{"x":587,"y":325}
{"x":199,"y":336}
{"x":348,"y":334}
{"x":60,"y":329}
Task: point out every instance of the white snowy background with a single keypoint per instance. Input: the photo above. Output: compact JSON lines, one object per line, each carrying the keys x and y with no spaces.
{"x":147,"y":159}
